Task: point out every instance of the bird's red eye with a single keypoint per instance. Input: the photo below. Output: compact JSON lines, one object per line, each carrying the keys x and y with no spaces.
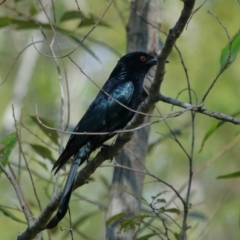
{"x":143,"y":58}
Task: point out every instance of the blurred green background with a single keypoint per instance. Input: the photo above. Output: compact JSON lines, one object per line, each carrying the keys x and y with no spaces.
{"x":34,"y":79}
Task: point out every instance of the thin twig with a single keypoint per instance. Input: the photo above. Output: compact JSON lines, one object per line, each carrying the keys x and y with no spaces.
{"x":25,"y":159}
{"x":16,"y":59}
{"x":126,"y":130}
{"x":40,"y":139}
{"x":51,"y":47}
{"x":149,"y":174}
{"x":224,"y":67}
{"x":15,"y":185}
{"x":194,"y":12}
{"x":208,"y":163}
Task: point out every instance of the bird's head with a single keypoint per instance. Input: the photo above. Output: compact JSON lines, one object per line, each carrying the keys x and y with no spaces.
{"x":139,"y":62}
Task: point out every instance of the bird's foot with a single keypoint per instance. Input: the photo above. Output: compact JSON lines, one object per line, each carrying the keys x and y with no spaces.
{"x":104,"y":150}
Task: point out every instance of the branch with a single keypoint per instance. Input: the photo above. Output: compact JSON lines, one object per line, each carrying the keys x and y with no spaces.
{"x":217,"y":115}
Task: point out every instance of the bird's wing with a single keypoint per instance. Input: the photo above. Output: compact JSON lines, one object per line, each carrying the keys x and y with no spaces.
{"x":104,"y":114}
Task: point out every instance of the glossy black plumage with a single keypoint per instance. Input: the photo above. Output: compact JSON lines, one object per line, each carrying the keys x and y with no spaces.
{"x":105,"y":114}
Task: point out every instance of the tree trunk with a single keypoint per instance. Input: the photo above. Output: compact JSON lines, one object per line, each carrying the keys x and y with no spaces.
{"x":142,"y":35}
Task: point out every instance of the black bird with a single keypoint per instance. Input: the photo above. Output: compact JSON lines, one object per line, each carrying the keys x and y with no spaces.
{"x":105,"y":114}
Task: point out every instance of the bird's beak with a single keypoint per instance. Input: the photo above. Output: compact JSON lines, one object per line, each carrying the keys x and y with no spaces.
{"x":152,"y":62}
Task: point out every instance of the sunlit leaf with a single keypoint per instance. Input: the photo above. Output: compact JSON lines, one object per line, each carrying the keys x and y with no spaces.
{"x":50,"y":133}
{"x":8,"y":143}
{"x":10,"y":215}
{"x":230,"y":175}
{"x":231,"y":55}
{"x":42,"y":151}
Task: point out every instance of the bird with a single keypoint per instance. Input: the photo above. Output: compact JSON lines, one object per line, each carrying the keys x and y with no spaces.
{"x":112,"y":109}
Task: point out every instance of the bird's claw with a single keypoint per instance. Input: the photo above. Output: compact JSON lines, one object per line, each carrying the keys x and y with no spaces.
{"x":104,"y":150}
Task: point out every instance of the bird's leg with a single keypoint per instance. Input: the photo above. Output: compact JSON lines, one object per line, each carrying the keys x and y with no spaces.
{"x":88,"y":147}
{"x":104,"y":149}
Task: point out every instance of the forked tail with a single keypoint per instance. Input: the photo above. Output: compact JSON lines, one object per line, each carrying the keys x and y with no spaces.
{"x":67,"y":191}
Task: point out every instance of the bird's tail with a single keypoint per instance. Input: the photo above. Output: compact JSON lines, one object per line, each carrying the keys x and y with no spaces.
{"x":66,"y":193}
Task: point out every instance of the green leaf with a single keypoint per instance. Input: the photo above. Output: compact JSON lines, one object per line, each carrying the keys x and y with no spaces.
{"x":177,"y":235}
{"x":213,"y":129}
{"x":42,"y":151}
{"x":79,"y":41}
{"x":2,"y":150}
{"x":171,"y":210}
{"x":161,"y":200}
{"x":210,"y":131}
{"x":22,"y":24}
{"x":227,"y":56}
{"x":4,"y":21}
{"x":85,"y":20}
{"x":50,"y":133}
{"x":8,"y":143}
{"x":10,"y":215}
{"x":91,"y":20}
{"x":115,"y":218}
{"x":230,"y":175}
{"x":131,"y":223}
{"x":127,"y":224}
{"x":198,"y":216}
{"x":32,"y":10}
{"x":146,"y":237}
{"x":70,"y":15}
